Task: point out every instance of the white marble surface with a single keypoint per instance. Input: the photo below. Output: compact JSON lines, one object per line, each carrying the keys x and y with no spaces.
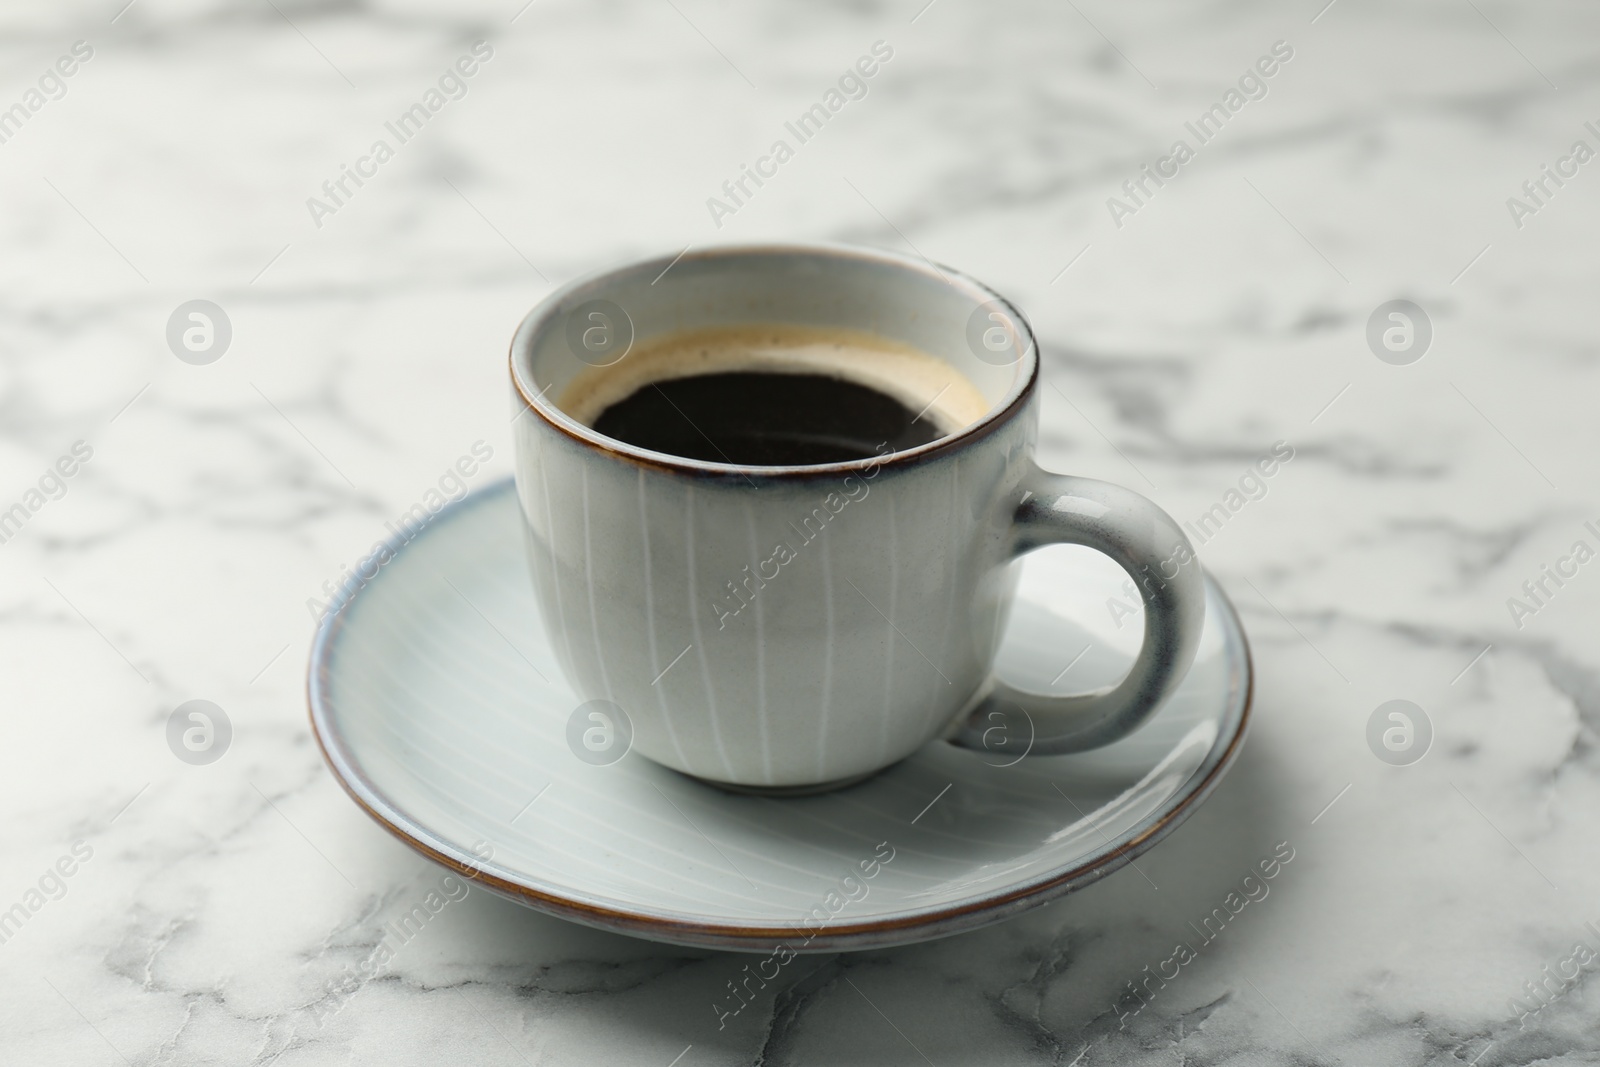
{"x":224,"y":915}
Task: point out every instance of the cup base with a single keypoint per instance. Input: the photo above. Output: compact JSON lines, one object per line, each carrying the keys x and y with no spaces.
{"x":787,"y":790}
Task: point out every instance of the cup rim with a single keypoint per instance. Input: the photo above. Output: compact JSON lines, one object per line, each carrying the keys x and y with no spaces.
{"x":538,"y":319}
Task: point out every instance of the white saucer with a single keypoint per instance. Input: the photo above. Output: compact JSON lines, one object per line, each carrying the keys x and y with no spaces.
{"x":438,"y":703}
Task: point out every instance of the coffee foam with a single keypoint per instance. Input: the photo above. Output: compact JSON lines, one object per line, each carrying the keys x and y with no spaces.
{"x":911,"y":376}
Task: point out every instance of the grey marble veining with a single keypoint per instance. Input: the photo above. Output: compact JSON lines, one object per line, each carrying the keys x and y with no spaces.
{"x":230,"y":913}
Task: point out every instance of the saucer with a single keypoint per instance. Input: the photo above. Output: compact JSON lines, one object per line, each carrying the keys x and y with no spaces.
{"x":436,"y":698}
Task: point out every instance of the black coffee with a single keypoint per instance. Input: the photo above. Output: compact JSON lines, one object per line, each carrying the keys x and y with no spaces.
{"x":765,"y":419}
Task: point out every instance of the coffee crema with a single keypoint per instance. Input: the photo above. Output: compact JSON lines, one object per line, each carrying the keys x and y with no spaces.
{"x":774,"y":395}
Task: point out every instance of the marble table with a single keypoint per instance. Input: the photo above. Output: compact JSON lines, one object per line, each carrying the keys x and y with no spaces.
{"x":185,"y":913}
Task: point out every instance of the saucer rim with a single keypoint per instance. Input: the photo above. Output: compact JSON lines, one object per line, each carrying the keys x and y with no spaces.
{"x":913,"y":926}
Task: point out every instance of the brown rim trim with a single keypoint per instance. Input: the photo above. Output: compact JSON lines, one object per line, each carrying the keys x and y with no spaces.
{"x":661,"y":462}
{"x":936,"y":923}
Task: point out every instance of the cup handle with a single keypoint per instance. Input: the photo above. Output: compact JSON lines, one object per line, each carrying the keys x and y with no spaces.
{"x":1145,"y":542}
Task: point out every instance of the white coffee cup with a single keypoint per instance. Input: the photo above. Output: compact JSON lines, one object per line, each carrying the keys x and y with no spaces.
{"x":877,"y":631}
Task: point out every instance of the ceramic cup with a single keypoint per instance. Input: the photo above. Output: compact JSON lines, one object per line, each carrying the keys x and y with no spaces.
{"x":870,"y":595}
